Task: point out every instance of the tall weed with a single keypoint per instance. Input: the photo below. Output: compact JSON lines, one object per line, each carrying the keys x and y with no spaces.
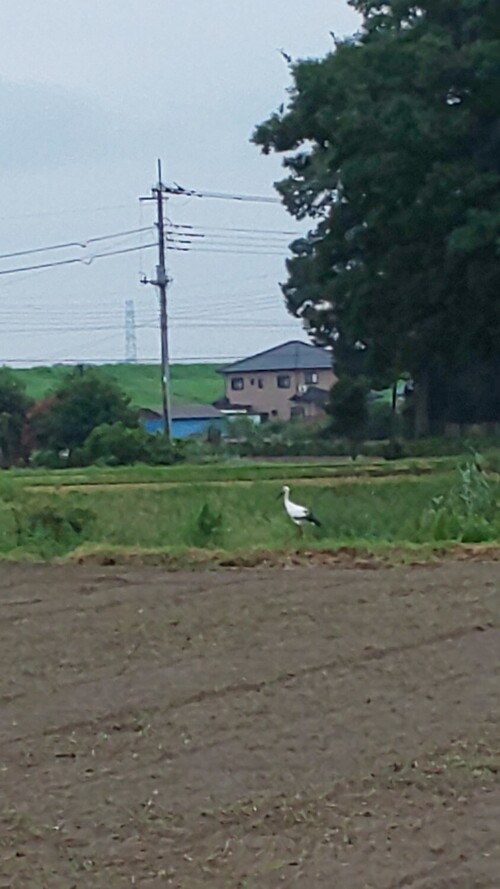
{"x":42,"y":526}
{"x":208,"y":527}
{"x":467,"y":513}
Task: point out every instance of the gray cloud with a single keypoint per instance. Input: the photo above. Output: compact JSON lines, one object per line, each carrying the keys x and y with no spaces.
{"x":46,"y":127}
{"x":92,"y":93}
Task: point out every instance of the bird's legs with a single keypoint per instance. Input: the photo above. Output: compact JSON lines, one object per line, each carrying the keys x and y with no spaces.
{"x":300,"y":532}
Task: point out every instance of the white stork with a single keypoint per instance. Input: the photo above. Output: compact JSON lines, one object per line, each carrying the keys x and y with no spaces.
{"x":298,"y":514}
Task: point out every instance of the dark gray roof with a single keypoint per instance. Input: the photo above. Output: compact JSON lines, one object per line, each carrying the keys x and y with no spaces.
{"x":189,"y":412}
{"x":224,"y":404}
{"x":293,"y":355}
{"x":313,"y":395}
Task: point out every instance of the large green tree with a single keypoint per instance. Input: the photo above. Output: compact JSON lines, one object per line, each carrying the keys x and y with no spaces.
{"x":392,"y":149}
{"x":87,"y":398}
{"x":14,"y":405}
{"x":348,"y":408}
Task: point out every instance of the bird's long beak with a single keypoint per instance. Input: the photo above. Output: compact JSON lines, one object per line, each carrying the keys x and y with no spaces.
{"x":280,"y":495}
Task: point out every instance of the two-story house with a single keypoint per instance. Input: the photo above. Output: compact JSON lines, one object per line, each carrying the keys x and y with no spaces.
{"x":291,"y":380}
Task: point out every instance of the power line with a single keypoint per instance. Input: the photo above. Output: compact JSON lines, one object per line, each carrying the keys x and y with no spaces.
{"x":84,"y":260}
{"x":252,"y":240}
{"x":232,"y":304}
{"x":152,"y":325}
{"x":70,"y":362}
{"x":80,"y":243}
{"x":240,"y":252}
{"x":178,"y":190}
{"x":218,"y":228}
{"x":252,"y":245}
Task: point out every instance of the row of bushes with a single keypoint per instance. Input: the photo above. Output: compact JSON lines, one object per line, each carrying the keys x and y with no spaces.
{"x":118,"y":445}
{"x":391,"y":449}
{"x":114,"y":444}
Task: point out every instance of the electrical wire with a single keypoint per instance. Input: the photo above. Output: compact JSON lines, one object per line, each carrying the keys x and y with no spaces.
{"x":195,"y":238}
{"x":84,"y":260}
{"x":71,"y":362}
{"x":250,"y":302}
{"x":152,"y":325}
{"x":80,"y":243}
{"x":218,"y":228}
{"x":241,"y":252}
{"x":178,"y":190}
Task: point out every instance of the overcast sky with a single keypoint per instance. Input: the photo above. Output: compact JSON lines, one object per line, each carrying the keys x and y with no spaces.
{"x":91,"y":93}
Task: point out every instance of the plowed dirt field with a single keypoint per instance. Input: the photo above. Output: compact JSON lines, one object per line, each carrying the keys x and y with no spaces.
{"x":324,"y":728}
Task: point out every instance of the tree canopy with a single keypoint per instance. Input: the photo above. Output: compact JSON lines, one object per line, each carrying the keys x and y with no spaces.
{"x":14,"y":404}
{"x":348,"y":407}
{"x":87,"y":398}
{"x":392,"y":150}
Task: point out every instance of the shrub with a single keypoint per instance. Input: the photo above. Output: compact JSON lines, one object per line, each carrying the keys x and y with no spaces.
{"x":49,"y":529}
{"x":208,"y":527}
{"x":381,"y":421}
{"x":115,"y":444}
{"x":48,"y":459}
{"x":393,"y":450}
{"x":161,"y":452}
{"x":118,"y":445}
{"x":467,"y":512}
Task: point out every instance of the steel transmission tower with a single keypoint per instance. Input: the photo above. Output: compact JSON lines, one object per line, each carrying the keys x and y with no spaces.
{"x":130,"y":335}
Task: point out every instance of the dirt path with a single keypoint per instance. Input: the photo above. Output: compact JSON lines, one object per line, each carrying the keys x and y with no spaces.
{"x":313,"y":727}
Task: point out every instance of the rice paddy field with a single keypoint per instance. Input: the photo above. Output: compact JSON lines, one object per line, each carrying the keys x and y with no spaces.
{"x":235,"y":509}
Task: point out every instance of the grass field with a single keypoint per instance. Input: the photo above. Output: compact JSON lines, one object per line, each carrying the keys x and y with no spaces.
{"x":197,"y":383}
{"x":235,"y":509}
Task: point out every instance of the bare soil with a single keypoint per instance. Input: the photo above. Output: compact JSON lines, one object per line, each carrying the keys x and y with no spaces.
{"x":322,"y":727}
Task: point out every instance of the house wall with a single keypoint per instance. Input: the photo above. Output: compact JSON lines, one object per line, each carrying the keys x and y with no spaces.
{"x":270,"y":398}
{"x":183,"y":428}
{"x":186,"y":428}
{"x":153,"y":424}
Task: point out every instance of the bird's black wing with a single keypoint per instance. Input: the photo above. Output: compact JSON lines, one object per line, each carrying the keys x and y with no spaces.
{"x":312,"y":518}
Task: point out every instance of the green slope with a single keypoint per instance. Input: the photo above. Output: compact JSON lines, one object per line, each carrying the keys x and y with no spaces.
{"x":190,"y":382}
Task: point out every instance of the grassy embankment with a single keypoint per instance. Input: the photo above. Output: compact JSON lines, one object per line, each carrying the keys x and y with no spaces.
{"x":191,"y":383}
{"x":233,"y":510}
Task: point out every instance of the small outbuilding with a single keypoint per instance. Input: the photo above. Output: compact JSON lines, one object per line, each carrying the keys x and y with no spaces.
{"x":187,"y":420}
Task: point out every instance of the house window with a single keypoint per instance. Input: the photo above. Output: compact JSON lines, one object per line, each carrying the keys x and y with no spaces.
{"x":260,"y":384}
{"x":252,"y":382}
{"x":283,"y":381}
{"x":310,"y":376}
{"x":237,"y":384}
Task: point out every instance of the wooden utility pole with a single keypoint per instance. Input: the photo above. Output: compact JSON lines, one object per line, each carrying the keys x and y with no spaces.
{"x":161,"y":282}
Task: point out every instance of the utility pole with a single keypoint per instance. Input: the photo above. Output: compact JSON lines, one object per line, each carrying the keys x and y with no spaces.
{"x":161,"y":282}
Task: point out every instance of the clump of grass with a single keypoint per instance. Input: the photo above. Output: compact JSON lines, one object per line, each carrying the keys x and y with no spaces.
{"x":44,"y":527}
{"x":208,"y":527}
{"x":467,"y":512}
{"x":51,"y":530}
